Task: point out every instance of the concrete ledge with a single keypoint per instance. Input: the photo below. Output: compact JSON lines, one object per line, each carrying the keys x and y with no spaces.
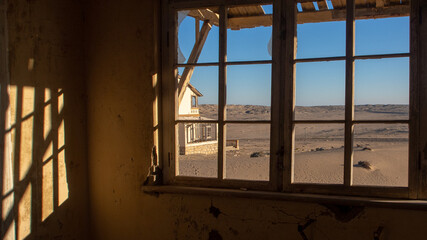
{"x":293,"y":197}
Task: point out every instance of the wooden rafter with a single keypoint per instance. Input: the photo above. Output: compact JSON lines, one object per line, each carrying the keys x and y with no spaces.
{"x":338,"y":4}
{"x":308,"y":6}
{"x":321,"y":16}
{"x":382,"y":3}
{"x":205,"y":14}
{"x":361,"y":13}
{"x":194,"y":57}
{"x":381,"y":9}
{"x":237,"y":23}
{"x":322,"y":5}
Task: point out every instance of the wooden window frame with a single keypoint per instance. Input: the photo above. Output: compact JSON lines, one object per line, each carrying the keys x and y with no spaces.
{"x":283,"y":102}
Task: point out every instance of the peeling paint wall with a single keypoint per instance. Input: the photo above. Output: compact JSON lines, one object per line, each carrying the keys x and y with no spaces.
{"x":45,"y":162}
{"x":121,"y":39}
{"x":193,"y":217}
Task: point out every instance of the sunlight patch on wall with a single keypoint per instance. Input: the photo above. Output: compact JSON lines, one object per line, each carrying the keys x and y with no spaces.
{"x":8,"y":195}
{"x":24,"y":214}
{"x":10,"y":231}
{"x":62,"y":168}
{"x":47,"y":183}
{"x":7,"y":205}
{"x":60,"y":100}
{"x":47,"y":126}
{"x":26,"y":144}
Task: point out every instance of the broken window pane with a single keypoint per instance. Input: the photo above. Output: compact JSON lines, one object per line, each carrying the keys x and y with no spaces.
{"x":381,"y":155}
{"x":249,"y":92}
{"x":198,"y":39}
{"x":197,"y":149}
{"x":249,"y":33}
{"x":381,"y":90}
{"x":320,"y":91}
{"x":383,"y":35}
{"x":316,"y":36}
{"x":319,"y":153}
{"x":248,"y":151}
{"x":199,"y":98}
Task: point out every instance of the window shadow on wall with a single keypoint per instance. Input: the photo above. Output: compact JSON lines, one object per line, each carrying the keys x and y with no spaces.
{"x":34,"y":166}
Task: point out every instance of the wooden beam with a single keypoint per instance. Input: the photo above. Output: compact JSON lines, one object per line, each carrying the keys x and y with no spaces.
{"x":237,"y":23}
{"x":380,"y":3}
{"x":205,"y":14}
{"x":338,"y":4}
{"x":194,"y":56}
{"x":308,"y":7}
{"x":394,"y":2}
{"x":197,"y":28}
{"x":361,"y":13}
{"x":322,"y":5}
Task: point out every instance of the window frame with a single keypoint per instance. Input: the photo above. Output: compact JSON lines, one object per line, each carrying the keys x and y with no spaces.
{"x":194,"y":104}
{"x":283,"y":102}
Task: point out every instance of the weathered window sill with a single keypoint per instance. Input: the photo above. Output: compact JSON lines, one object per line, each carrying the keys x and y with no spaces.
{"x":293,"y":197}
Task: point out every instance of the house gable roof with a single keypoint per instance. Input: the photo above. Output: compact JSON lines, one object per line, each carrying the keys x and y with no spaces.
{"x":195,"y":91}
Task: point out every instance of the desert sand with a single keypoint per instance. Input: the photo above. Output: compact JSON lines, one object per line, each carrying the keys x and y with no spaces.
{"x":380,"y":150}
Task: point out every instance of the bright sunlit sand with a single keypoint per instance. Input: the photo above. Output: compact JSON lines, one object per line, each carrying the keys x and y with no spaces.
{"x":380,"y":150}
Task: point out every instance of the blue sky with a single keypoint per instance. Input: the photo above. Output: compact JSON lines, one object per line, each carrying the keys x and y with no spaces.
{"x":384,"y":81}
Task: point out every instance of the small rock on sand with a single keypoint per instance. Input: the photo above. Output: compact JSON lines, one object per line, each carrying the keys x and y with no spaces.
{"x":259,"y":154}
{"x":365,"y":164}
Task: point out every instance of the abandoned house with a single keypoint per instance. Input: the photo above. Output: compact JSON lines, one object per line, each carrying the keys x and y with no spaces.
{"x":90,"y":119}
{"x":195,"y":137}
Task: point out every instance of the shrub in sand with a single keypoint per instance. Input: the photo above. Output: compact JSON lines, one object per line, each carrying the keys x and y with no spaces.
{"x":365,"y":164}
{"x":259,"y":154}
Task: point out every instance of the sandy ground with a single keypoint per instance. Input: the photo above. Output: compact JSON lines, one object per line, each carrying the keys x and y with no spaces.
{"x":380,"y":150}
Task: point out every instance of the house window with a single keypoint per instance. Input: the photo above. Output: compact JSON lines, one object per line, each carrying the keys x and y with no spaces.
{"x":208,"y":132}
{"x":193,"y":101}
{"x":300,"y":96}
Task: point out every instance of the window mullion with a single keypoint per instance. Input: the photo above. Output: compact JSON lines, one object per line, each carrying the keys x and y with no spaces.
{"x":418,"y":98}
{"x":349,"y":95}
{"x":222,"y":90}
{"x":288,"y":75}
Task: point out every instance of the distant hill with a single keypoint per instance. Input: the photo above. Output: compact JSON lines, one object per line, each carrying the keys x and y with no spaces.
{"x":257,"y":112}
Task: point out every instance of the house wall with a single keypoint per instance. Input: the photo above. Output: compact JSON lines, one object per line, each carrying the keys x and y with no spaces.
{"x":210,"y":147}
{"x":185,"y":106}
{"x":44,"y":165}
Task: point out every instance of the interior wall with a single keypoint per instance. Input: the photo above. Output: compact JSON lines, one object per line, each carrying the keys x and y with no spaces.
{"x":44,"y":165}
{"x":120,"y":70}
{"x":121,"y":58}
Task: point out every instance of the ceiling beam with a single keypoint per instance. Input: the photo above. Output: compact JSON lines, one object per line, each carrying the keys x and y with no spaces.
{"x":237,"y":23}
{"x":194,"y":57}
{"x":322,"y":5}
